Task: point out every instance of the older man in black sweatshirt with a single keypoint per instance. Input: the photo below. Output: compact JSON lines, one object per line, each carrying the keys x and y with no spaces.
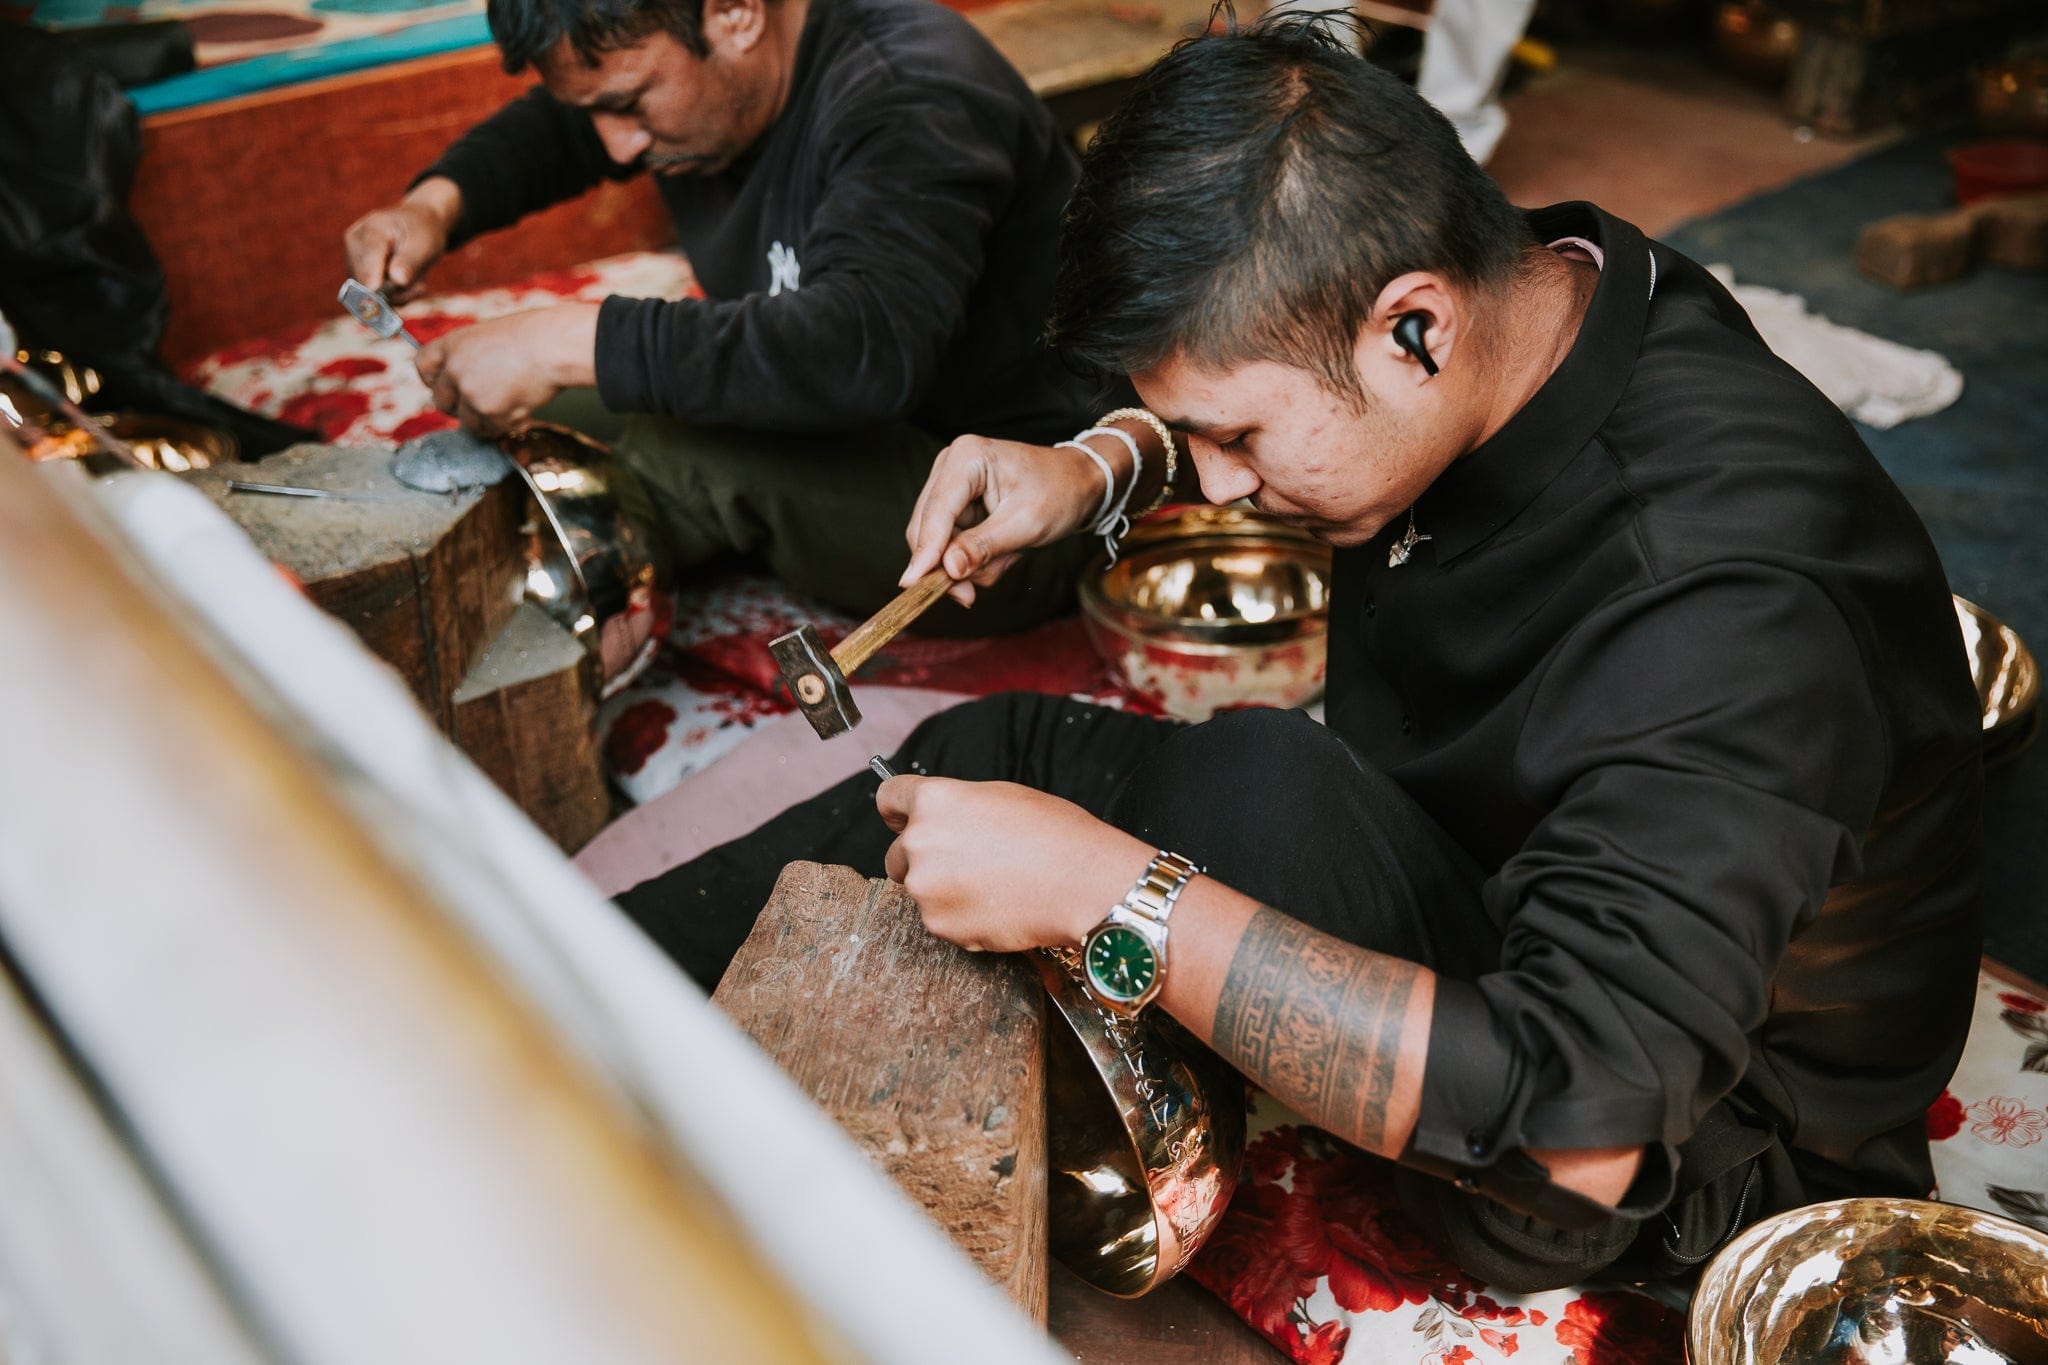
{"x":869,"y":195}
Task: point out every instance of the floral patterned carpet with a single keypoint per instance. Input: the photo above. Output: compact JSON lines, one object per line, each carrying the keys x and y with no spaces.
{"x":1313,"y":1254}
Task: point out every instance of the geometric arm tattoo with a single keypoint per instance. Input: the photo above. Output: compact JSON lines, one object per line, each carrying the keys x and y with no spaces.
{"x":1316,"y":1021}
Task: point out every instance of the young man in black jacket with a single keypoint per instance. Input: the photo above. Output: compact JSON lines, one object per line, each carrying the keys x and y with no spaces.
{"x":869,"y":195}
{"x":1629,"y":893}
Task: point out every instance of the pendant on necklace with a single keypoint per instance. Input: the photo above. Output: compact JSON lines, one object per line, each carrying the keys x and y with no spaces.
{"x":1398,"y":552}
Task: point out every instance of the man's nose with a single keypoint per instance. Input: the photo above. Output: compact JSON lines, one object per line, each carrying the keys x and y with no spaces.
{"x":1224,"y":480}
{"x":624,"y":139}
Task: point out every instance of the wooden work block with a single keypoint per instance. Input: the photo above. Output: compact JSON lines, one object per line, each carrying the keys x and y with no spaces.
{"x":929,"y":1057}
{"x":2013,"y":233}
{"x":527,"y":716}
{"x":1915,"y":249}
{"x":426,"y":579}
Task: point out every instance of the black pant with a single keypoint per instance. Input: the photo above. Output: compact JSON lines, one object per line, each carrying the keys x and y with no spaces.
{"x":1271,"y":804}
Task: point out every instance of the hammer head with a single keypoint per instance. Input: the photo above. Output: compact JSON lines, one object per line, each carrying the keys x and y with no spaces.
{"x":815,"y":682}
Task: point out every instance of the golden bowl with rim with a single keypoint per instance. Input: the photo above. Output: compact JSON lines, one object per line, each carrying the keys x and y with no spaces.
{"x":1210,"y":608}
{"x":1874,"y":1280}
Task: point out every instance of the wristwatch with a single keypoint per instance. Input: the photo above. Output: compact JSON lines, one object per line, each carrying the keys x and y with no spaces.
{"x":1123,"y":959}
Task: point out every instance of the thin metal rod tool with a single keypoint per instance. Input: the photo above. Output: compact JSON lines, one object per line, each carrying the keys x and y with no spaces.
{"x":287,"y":490}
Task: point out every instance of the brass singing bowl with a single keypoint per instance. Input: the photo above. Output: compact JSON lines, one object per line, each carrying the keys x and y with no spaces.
{"x":1146,"y":1134}
{"x":174,"y":443}
{"x":589,"y":566}
{"x":1870,"y":1280}
{"x":1212,"y":608}
{"x":2007,"y":677}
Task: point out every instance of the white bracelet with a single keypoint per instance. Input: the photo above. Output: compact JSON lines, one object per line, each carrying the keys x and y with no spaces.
{"x":1108,"y":478}
{"x":1114,"y":525}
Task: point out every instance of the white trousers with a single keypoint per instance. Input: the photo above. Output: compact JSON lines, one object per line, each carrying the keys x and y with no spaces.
{"x":1464,"y":57}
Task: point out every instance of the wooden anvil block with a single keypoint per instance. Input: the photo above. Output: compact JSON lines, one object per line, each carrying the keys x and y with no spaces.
{"x":527,"y":716}
{"x":932,"y":1059}
{"x":426,"y":579}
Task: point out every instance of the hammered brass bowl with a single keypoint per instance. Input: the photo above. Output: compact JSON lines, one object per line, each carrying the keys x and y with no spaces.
{"x":174,"y":443}
{"x":590,"y":566}
{"x":2007,"y":677}
{"x":1874,"y":1280}
{"x":1212,"y":608}
{"x":1145,"y":1130}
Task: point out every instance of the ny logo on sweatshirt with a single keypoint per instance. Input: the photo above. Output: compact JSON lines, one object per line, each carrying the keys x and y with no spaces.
{"x":783,"y":269}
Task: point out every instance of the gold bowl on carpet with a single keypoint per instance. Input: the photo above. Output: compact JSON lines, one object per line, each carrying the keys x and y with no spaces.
{"x":2007,"y":677}
{"x":1211,"y":608}
{"x":1145,"y":1131}
{"x":1899,"y":1280}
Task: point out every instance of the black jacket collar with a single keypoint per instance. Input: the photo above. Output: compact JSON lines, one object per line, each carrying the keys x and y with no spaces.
{"x":1484,"y":490}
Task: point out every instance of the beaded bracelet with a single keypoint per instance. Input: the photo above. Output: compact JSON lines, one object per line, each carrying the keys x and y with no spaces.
{"x":1165,"y":439}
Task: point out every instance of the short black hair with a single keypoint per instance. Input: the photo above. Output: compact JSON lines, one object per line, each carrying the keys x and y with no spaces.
{"x":527,"y":30}
{"x":1252,"y":197}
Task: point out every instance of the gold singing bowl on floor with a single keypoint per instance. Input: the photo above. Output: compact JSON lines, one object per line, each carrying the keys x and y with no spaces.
{"x":2007,"y":677}
{"x":1146,"y":1134}
{"x":1211,"y":608}
{"x":1874,"y":1280}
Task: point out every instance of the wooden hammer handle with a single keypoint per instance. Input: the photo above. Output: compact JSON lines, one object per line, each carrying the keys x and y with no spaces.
{"x":885,"y":625}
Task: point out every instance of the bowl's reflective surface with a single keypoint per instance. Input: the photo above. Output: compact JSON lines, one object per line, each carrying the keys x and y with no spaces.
{"x":590,"y":567}
{"x":1145,"y":1131}
{"x":1212,"y":608}
{"x":2008,"y":680}
{"x":1871,"y":1281}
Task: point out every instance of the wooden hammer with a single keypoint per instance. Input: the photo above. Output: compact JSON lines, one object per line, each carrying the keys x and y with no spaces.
{"x":817,"y":678}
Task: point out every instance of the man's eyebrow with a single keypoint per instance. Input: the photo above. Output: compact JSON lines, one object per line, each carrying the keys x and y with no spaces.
{"x":610,"y":102}
{"x":1187,"y":424}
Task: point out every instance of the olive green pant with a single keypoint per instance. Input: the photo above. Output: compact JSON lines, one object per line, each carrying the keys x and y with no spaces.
{"x":825,"y":513}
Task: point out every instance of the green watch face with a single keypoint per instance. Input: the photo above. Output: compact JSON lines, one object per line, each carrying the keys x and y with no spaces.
{"x":1120,"y":962}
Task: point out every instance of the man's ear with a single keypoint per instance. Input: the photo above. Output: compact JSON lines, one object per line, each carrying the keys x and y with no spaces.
{"x":734,"y":27}
{"x":1411,"y":336}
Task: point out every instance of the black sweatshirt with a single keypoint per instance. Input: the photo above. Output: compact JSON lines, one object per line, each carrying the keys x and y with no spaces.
{"x":884,"y":251}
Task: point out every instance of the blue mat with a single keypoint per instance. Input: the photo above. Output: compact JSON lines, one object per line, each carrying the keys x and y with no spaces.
{"x":1977,"y":472}
{"x":276,"y":69}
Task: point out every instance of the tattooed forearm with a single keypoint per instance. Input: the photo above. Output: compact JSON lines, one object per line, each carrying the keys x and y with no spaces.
{"x":1317,"y":1022}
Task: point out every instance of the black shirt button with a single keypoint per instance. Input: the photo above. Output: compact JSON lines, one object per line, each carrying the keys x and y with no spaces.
{"x":1476,"y":1142}
{"x":1372,"y":608}
{"x":1407,"y":724}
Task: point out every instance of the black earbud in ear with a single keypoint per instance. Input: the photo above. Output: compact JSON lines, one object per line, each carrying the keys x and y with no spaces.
{"x":1409,"y":330}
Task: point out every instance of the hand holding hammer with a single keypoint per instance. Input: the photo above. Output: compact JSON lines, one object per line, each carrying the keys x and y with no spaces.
{"x":817,"y":678}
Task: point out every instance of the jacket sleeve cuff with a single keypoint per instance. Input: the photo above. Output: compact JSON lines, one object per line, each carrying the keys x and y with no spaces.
{"x":626,"y":331}
{"x":1469,"y":1128}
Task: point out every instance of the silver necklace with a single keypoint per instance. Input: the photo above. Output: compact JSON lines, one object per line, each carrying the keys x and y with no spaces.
{"x":1398,"y":552}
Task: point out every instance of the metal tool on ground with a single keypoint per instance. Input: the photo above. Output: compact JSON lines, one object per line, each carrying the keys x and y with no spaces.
{"x":817,"y":677}
{"x":291,"y":490}
{"x":375,"y":312}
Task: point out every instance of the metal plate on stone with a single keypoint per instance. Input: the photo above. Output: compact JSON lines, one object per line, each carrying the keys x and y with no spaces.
{"x":448,"y":462}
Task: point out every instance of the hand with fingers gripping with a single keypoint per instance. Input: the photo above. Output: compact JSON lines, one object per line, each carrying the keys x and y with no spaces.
{"x":491,"y":376}
{"x":391,"y":249}
{"x":1000,"y":867}
{"x":988,"y":501}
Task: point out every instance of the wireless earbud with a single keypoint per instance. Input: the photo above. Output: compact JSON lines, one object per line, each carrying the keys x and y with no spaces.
{"x":1409,"y":329}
